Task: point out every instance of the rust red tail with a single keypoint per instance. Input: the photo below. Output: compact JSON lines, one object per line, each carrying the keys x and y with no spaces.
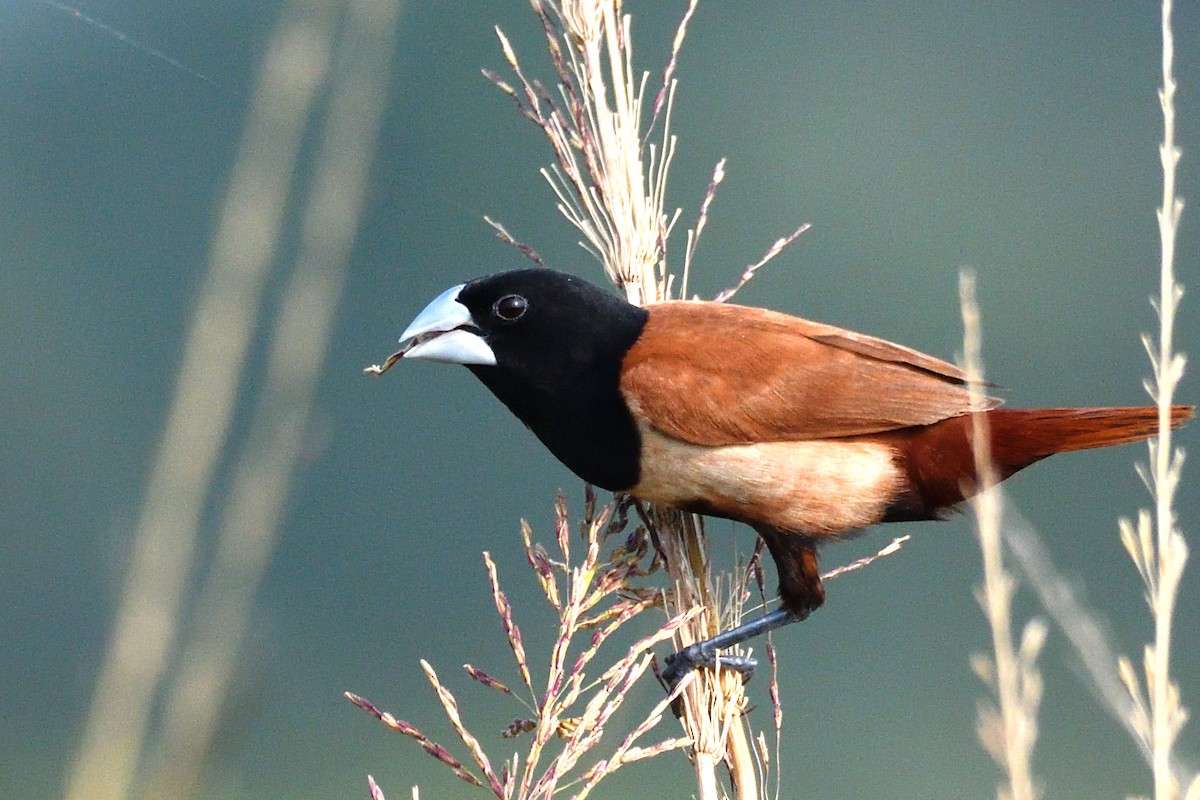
{"x":941,"y":465}
{"x":1021,"y":436}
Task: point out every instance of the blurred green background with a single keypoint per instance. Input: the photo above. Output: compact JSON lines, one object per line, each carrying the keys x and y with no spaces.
{"x":1018,"y":139}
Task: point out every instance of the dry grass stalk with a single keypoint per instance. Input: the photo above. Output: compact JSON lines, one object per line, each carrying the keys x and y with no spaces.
{"x":609,"y":184}
{"x":610,"y":177}
{"x":748,"y":273}
{"x":693,"y":235}
{"x":713,"y":707}
{"x":610,"y":181}
{"x":1008,"y":728}
{"x":1155,"y":543}
{"x":569,"y":717}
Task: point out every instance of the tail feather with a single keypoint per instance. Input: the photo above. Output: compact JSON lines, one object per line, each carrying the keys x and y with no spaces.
{"x":1021,"y":436}
{"x":940,"y":463}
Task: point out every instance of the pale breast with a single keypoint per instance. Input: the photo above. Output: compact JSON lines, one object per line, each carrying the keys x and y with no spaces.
{"x":820,"y":488}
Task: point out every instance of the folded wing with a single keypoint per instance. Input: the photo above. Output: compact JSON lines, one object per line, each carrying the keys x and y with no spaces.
{"x":715,"y":374}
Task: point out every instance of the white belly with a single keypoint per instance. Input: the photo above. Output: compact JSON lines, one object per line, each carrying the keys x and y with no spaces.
{"x":819,"y":488}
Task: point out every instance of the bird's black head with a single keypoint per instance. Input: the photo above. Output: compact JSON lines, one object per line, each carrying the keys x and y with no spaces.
{"x":549,"y":346}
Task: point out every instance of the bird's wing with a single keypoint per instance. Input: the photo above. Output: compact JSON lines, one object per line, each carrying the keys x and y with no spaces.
{"x":716,"y":374}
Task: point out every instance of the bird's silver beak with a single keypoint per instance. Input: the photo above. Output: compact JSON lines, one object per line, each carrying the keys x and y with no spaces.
{"x":444,"y":331}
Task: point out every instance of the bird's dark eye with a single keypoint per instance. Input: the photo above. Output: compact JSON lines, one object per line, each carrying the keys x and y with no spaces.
{"x":511,"y":307}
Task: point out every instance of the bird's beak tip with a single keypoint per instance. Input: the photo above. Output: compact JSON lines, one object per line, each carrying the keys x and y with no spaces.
{"x":444,"y":331}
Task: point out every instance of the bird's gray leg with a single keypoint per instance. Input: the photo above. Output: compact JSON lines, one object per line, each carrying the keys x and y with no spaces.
{"x":800,"y":589}
{"x":704,"y":654}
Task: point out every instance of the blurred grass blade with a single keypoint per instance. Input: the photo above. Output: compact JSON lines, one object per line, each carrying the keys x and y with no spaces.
{"x":207,"y":382}
{"x":276,"y":439}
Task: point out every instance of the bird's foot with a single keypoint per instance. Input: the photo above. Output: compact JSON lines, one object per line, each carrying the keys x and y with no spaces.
{"x":698,"y":656}
{"x":705,"y":653}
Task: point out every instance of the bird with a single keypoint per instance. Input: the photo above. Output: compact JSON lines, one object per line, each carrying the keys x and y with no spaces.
{"x":804,"y":431}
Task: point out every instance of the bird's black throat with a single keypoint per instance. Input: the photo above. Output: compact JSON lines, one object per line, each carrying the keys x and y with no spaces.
{"x":558,"y":370}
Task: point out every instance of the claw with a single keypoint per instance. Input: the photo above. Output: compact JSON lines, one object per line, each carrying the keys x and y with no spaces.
{"x":695,"y":657}
{"x":707,"y":652}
